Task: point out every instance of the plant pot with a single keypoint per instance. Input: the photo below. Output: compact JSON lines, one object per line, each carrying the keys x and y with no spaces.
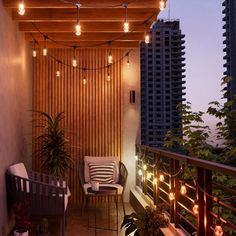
{"x":17,"y":233}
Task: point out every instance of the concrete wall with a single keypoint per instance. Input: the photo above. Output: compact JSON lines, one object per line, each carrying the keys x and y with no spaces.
{"x":131,"y":116}
{"x":15,"y":101}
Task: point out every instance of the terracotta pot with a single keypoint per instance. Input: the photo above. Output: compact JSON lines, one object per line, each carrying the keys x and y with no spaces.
{"x":16,"y":233}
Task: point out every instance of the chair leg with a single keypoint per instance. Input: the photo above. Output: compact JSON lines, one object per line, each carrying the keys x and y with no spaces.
{"x":63,"y":225}
{"x":84,"y":204}
{"x":123,"y":204}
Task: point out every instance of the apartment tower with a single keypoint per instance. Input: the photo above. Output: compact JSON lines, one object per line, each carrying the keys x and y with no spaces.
{"x":162,"y":84}
{"x":229,"y":12}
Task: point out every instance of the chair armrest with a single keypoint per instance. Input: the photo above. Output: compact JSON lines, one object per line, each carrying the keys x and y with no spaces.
{"x":123,"y":174}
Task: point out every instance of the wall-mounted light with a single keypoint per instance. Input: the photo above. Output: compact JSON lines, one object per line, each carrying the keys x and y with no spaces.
{"x":132,"y":96}
{"x":21,"y":8}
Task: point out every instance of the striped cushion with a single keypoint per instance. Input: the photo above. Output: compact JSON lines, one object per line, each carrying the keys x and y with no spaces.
{"x":102,"y":172}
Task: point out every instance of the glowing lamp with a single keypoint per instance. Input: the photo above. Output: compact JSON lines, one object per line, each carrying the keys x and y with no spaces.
{"x":147,"y":39}
{"x":161,"y":177}
{"x":183,"y":189}
{"x":140,"y":173}
{"x":218,"y":230}
{"x":171,"y":195}
{"x":21,"y":9}
{"x":145,"y":167}
{"x":196,"y":207}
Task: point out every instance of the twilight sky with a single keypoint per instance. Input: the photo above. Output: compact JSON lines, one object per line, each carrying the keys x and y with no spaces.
{"x":201,"y":22}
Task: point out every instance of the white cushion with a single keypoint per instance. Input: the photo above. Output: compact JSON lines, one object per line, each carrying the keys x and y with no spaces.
{"x":88,"y":159}
{"x":118,"y":186}
{"x":18,"y":170}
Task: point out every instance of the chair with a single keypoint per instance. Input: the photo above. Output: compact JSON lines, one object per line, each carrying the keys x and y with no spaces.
{"x":48,"y":195}
{"x":120,"y":176}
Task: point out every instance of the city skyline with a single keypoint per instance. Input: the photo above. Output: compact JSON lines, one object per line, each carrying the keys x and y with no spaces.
{"x":201,"y":22}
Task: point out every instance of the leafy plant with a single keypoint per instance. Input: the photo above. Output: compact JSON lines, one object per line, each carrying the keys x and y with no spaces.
{"x":52,"y":146}
{"x":21,"y":214}
{"x":147,"y":223}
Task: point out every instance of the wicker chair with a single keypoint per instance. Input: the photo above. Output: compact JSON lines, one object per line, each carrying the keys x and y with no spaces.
{"x":48,"y":195}
{"x":122,"y":175}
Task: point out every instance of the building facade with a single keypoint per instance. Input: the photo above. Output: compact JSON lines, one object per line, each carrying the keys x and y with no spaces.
{"x":229,"y":18}
{"x":162,"y":84}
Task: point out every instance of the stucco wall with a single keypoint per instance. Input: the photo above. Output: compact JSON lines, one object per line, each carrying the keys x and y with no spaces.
{"x":15,"y":103}
{"x":131,"y":116}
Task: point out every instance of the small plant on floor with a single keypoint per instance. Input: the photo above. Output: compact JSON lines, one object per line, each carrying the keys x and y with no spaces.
{"x":147,"y":223}
{"x":42,"y":228}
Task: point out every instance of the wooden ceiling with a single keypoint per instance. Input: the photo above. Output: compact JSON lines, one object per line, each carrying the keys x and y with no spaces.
{"x":101,"y":21}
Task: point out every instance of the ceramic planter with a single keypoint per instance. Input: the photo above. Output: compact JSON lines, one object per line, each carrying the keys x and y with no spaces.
{"x":16,"y":233}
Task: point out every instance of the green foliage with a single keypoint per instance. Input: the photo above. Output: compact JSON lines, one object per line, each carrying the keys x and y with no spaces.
{"x":147,"y":223}
{"x":52,"y":146}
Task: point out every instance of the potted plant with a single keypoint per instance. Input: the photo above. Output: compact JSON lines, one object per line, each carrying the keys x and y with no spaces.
{"x":147,"y":223}
{"x":51,"y":145}
{"x":22,"y":221}
{"x":42,"y":228}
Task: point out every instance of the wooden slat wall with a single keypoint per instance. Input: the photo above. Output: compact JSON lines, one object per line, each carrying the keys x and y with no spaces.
{"x":94,"y":112}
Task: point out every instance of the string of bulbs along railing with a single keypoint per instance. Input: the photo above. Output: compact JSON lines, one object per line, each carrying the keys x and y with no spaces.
{"x":199,"y":202}
{"x":78,"y":32}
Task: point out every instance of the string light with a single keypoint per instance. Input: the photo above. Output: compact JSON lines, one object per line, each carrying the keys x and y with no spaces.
{"x":45,"y":51}
{"x":140,"y":173}
{"x":155,"y":181}
{"x":127,"y":61}
{"x":147,"y":38}
{"x":183,"y":189}
{"x":171,"y":195}
{"x":161,"y":177}
{"x":58,"y":71}
{"x":145,"y":167}
{"x":136,"y":157}
{"x":218,"y":230}
{"x":108,"y":73}
{"x":126,"y":23}
{"x":149,"y":175}
{"x":84,"y":76}
{"x":34,"y":53}
{"x":74,"y":62}
{"x":78,"y":26}
{"x":162,"y":5}
{"x":196,"y":207}
{"x":110,"y":59}
{"x":21,"y":8}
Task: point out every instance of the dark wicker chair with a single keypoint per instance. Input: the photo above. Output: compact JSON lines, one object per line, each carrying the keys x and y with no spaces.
{"x":47,"y":194}
{"x":123,"y":174}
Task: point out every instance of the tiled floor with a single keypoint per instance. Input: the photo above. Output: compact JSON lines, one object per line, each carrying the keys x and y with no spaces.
{"x":77,"y":225}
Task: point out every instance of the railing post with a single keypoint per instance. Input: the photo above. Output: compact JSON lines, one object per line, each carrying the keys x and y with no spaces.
{"x":171,"y":182}
{"x":157,"y":182}
{"x":177,"y":194}
{"x":144,"y":174}
{"x":208,"y":202}
{"x":200,"y":196}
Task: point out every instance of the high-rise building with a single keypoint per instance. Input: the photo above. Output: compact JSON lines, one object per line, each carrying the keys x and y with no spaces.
{"x":229,"y":12}
{"x":162,"y":84}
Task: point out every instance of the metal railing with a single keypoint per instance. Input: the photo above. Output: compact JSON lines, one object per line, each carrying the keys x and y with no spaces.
{"x":201,"y":194}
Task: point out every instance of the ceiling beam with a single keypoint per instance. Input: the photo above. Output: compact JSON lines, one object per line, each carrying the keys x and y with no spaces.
{"x":86,"y":15}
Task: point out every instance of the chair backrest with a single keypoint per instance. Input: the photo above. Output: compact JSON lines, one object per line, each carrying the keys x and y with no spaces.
{"x":100,"y":160}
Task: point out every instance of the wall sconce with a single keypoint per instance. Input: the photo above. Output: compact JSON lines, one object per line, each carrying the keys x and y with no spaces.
{"x":132,"y":96}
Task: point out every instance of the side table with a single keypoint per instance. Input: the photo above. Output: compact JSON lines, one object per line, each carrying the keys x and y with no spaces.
{"x":104,"y":191}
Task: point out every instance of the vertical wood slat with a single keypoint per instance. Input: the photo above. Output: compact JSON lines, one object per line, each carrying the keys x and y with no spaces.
{"x":93,"y":112}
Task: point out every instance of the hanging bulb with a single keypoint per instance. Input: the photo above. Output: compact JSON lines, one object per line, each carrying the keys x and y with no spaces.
{"x":126,"y":26}
{"x":171,"y":195}
{"x":84,"y":81}
{"x":149,"y":175}
{"x":74,"y":63}
{"x":108,"y":77}
{"x":161,"y":177}
{"x":145,"y":167}
{"x":162,"y":5}
{"x":136,"y":157}
{"x":45,"y":51}
{"x":196,"y":207}
{"x":155,"y":181}
{"x":140,"y":173}
{"x":21,"y":8}
{"x":58,"y":73}
{"x":183,"y":189}
{"x":218,"y":230}
{"x":147,"y":38}
{"x":110,"y":59}
{"x":34,"y":53}
{"x":128,"y":64}
{"x":78,"y":29}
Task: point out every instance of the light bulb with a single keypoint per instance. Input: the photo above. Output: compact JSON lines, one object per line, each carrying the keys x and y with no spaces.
{"x":45,"y":51}
{"x":84,"y":81}
{"x":21,"y":9}
{"x":161,"y":177}
{"x":196,"y":207}
{"x":108,"y":77}
{"x":155,"y":181}
{"x":162,"y":5}
{"x":171,"y":196}
{"x":145,"y":167}
{"x":149,"y":175}
{"x":126,"y":26}
{"x":136,"y":157}
{"x":218,"y":230}
{"x":78,"y":29}
{"x":128,"y":64}
{"x":74,"y":63}
{"x":34,"y":53}
{"x":110,"y":59}
{"x":183,"y":189}
{"x":140,"y":173}
{"x":147,"y":39}
{"x":58,"y":73}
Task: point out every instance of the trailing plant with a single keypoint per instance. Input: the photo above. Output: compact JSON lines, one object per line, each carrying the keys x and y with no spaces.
{"x":147,"y":223}
{"x":51,"y":145}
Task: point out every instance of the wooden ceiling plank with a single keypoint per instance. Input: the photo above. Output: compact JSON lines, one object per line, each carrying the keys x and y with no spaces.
{"x":86,"y":27}
{"x":85,"y":3}
{"x":86,"y":15}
